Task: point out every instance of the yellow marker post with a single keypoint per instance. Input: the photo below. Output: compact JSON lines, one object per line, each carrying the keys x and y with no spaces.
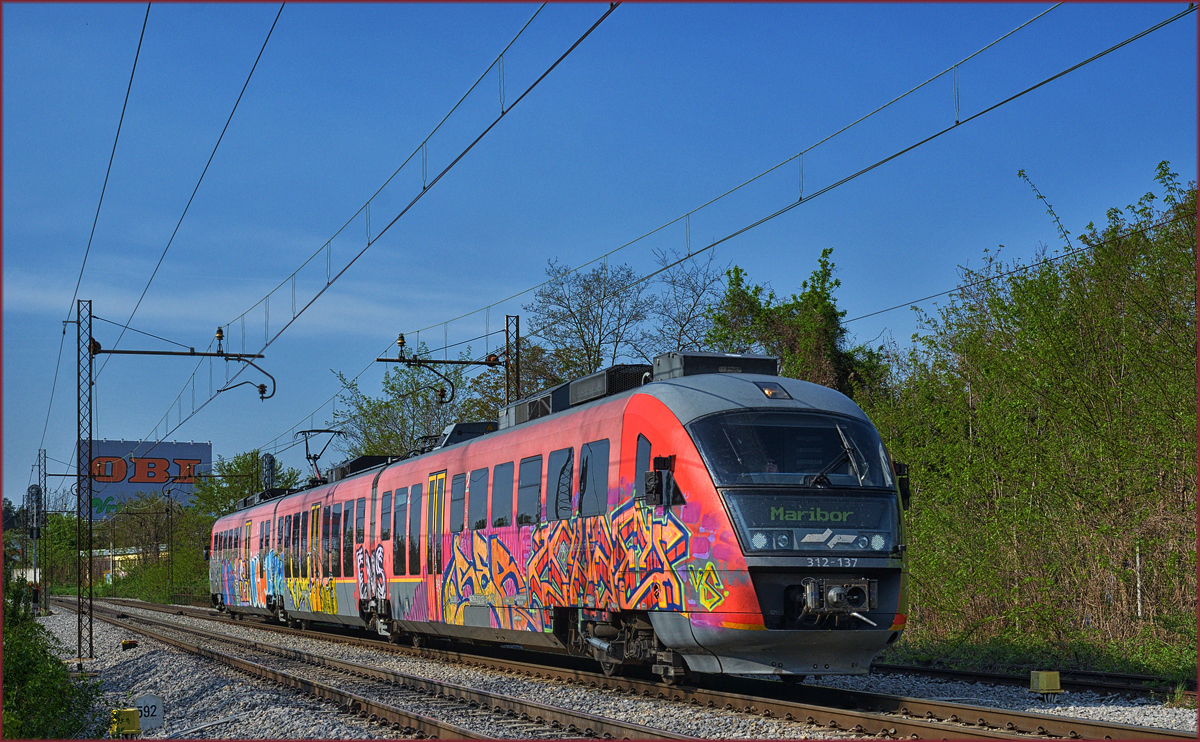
{"x":125,"y":723}
{"x":1045,"y":682}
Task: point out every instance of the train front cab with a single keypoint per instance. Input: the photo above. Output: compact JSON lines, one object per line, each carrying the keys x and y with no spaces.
{"x":796,"y":563}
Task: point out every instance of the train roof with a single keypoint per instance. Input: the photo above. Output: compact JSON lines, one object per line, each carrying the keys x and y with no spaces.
{"x":693,"y":397}
{"x":689,"y":397}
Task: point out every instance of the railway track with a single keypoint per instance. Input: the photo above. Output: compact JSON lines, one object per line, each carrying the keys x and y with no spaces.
{"x":375,"y":692}
{"x":852,"y":712}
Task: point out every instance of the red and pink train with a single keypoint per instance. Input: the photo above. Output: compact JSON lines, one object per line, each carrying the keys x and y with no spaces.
{"x":699,"y":515}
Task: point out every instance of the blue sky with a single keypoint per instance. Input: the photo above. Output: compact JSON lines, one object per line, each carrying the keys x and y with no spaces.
{"x":661,"y":109}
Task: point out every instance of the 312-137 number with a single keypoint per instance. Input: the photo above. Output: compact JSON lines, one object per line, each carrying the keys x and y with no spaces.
{"x":832,"y":561}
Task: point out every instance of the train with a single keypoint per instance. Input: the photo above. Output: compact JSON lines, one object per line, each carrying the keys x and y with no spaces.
{"x":700,"y":514}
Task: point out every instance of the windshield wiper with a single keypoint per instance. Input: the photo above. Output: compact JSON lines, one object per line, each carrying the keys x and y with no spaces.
{"x":847,"y":454}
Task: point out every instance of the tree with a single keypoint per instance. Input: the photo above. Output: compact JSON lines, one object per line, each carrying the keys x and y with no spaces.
{"x":589,"y":319}
{"x":216,"y":494}
{"x":393,"y":423}
{"x":540,"y":369}
{"x":11,"y":518}
{"x":805,"y":332}
{"x":680,"y":312}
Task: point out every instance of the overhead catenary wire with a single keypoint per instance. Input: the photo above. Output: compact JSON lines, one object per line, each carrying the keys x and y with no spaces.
{"x":140,"y":332}
{"x":421,"y":148}
{"x":95,"y":220}
{"x":429,"y":186}
{"x":1023,"y":268}
{"x":832,"y":186}
{"x":796,"y":157}
{"x":325,"y":247}
{"x":198,"y":182}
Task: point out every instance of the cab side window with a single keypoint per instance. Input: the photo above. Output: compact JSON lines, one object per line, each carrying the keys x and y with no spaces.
{"x":643,"y":464}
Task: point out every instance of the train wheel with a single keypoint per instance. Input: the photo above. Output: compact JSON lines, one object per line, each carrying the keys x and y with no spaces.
{"x":417,"y":641}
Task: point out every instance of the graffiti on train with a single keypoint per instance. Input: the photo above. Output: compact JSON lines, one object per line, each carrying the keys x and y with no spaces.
{"x":630,"y":560}
{"x":484,"y":574}
{"x":310,"y":589}
{"x":372,"y":580}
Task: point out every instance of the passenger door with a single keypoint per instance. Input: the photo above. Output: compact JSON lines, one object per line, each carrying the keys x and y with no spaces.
{"x":433,"y":543}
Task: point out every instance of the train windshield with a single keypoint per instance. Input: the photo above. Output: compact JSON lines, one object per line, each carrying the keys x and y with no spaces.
{"x":791,"y":448}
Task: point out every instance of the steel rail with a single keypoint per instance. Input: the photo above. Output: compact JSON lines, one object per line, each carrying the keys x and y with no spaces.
{"x":764,"y":697}
{"x":352,"y":702}
{"x":556,"y":717}
{"x":847,"y":720}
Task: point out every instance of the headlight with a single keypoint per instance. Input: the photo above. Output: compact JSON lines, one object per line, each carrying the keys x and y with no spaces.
{"x":861,"y":542}
{"x":758,"y":540}
{"x":877,"y":542}
{"x":782,"y":541}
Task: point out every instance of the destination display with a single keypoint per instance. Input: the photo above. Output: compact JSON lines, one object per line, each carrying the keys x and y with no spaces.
{"x":780,"y":521}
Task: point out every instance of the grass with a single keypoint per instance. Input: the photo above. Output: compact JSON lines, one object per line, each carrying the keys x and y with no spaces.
{"x":1165,"y":649}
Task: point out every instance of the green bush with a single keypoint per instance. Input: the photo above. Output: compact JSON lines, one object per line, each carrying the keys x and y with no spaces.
{"x":41,"y":701}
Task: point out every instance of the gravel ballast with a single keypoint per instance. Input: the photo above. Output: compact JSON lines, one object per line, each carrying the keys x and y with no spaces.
{"x":199,"y":691}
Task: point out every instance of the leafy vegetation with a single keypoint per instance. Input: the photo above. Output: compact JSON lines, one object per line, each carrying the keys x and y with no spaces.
{"x":41,"y":701}
{"x":1048,"y":414}
{"x":805,"y":332}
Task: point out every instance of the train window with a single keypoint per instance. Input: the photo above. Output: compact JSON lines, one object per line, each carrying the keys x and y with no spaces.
{"x":529,"y":491}
{"x":335,"y":541}
{"x":477,"y":499}
{"x":593,"y":478}
{"x":502,"y":495}
{"x":386,"y":517}
{"x":360,"y":523}
{"x":325,"y":540}
{"x":560,"y":468}
{"x":414,"y":531}
{"x":302,"y":557}
{"x":348,"y":539}
{"x":642,"y":465}
{"x":458,"y":492}
{"x":398,"y":545}
{"x":279,"y":536}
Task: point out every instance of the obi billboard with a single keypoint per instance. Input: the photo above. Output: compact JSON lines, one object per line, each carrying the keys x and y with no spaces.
{"x":122,"y":469}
